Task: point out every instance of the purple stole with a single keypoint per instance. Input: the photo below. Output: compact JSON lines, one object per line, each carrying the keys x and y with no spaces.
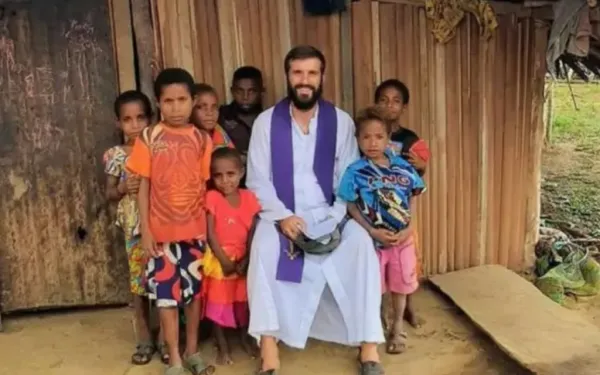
{"x":291,"y":259}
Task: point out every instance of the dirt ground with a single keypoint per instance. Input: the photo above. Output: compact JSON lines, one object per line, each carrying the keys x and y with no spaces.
{"x":100,"y":343}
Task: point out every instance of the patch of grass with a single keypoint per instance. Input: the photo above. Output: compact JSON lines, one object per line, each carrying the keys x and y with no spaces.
{"x":571,"y":164}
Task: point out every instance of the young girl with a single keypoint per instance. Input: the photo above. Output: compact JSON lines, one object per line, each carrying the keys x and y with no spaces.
{"x":232,"y":214}
{"x":206,"y":114}
{"x":379,"y":189}
{"x":133,"y":112}
{"x":393,"y":96}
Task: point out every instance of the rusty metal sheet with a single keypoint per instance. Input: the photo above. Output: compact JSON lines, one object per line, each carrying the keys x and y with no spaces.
{"x":58,"y":246}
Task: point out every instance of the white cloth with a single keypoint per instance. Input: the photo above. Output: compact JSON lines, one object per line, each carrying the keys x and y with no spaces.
{"x":339,"y":297}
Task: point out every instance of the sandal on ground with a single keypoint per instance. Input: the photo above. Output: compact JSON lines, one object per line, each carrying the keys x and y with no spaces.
{"x":163,"y":351}
{"x":396,"y":344}
{"x":371,"y":368}
{"x":196,"y":365}
{"x":176,"y":370}
{"x":260,"y":371}
{"x":143,"y":353}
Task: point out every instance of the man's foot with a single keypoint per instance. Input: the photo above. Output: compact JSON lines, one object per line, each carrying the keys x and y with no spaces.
{"x":269,"y":353}
{"x":196,"y":365}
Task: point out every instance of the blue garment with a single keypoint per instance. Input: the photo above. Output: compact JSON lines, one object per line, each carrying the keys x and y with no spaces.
{"x":382,"y":193}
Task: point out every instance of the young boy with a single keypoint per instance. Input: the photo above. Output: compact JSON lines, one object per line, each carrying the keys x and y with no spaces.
{"x":379,"y":189}
{"x":173,"y":160}
{"x":394,"y":96}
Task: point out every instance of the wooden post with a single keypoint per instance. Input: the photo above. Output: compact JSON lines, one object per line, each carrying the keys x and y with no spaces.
{"x":144,"y":42}
{"x":548,"y":111}
{"x":123,"y":43}
{"x":346,"y":52}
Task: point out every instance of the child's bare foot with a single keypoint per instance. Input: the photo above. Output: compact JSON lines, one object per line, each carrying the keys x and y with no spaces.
{"x":249,"y":345}
{"x":412,"y":319}
{"x":224,"y":358}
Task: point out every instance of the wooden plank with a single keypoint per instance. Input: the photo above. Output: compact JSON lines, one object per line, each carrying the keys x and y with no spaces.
{"x":376,"y":42}
{"x":228,"y":30}
{"x":541,"y":335}
{"x":144,"y":41}
{"x":121,"y":15}
{"x":347,"y":73}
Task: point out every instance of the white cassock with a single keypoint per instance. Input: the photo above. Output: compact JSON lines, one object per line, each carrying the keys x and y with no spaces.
{"x":339,"y":297}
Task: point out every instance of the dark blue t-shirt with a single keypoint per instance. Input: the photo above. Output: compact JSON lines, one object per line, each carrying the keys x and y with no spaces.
{"x":382,"y":193}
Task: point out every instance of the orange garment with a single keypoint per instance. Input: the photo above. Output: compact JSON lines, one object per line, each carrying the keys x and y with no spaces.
{"x":177,"y":163}
{"x":225,"y":298}
{"x":220,"y":138}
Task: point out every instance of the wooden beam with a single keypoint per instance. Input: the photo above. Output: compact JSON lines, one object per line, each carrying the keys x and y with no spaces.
{"x":123,"y":44}
{"x":144,"y":41}
{"x":346,"y":52}
{"x":227,"y":30}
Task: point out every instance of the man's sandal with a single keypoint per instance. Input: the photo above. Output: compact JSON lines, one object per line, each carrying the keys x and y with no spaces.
{"x":396,"y":344}
{"x":371,"y":368}
{"x":163,"y":351}
{"x":176,"y":370}
{"x":196,"y":365}
{"x":143,"y":353}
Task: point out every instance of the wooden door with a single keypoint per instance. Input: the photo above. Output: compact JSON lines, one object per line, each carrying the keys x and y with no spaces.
{"x":58,"y":246}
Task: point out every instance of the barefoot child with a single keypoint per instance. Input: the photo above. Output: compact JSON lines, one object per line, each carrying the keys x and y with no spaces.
{"x":232,"y":214}
{"x":394,"y":96}
{"x":206,"y":114}
{"x":379,"y":188}
{"x":173,"y":160}
{"x":133,"y":112}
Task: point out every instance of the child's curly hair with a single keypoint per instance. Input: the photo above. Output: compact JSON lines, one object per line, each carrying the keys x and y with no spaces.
{"x":373,"y":113}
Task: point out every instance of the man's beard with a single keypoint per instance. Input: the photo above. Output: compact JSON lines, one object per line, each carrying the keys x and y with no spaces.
{"x":304,"y":104}
{"x":253,"y":109}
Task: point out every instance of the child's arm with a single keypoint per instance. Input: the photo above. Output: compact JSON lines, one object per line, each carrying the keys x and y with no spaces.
{"x":148,"y":243}
{"x":226,"y":264}
{"x":115,"y":189}
{"x":242,"y":264}
{"x":381,"y":235}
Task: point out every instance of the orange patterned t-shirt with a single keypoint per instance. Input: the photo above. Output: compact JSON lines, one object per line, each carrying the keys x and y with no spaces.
{"x":177,"y":163}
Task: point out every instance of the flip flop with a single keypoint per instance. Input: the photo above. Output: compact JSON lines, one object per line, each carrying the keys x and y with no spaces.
{"x":371,"y":368}
{"x":163,"y":350}
{"x":196,"y":365}
{"x":396,"y":344}
{"x":143,"y":353}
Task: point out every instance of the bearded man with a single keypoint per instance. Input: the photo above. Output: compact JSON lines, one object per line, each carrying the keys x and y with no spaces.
{"x":298,"y":152}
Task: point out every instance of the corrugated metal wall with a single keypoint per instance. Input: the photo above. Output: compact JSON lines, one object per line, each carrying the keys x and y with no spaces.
{"x":477,"y":103}
{"x":58,"y":246}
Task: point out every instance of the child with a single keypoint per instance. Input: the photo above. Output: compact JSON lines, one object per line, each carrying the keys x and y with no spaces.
{"x":173,"y":160}
{"x":379,"y":189}
{"x":206,"y":114}
{"x":394,"y":96}
{"x":133,"y":111}
{"x":232,"y":214}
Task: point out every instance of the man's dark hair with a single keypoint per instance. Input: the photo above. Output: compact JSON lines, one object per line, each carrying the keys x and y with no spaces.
{"x":393,"y":84}
{"x":302,"y":53}
{"x":132,"y":96}
{"x":247,"y":72}
{"x":227,"y":153}
{"x":373,"y":113}
{"x":203,"y":88}
{"x":171,"y":76}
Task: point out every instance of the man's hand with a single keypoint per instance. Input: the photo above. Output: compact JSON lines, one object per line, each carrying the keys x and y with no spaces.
{"x":150,"y":247}
{"x":414,"y":159}
{"x":383,"y":236}
{"x":133,"y":184}
{"x":292,"y":226}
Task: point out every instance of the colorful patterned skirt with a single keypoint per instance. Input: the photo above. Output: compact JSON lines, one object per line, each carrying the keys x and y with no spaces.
{"x":225,"y":299}
{"x":137,"y":265}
